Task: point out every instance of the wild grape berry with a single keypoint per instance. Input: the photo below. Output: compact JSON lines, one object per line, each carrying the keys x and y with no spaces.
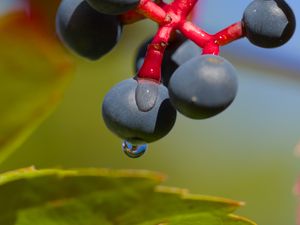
{"x":203,"y":87}
{"x":141,"y":110}
{"x":269,"y":23}
{"x":85,"y":31}
{"x":123,"y":117}
{"x":113,"y":7}
{"x":178,"y":51}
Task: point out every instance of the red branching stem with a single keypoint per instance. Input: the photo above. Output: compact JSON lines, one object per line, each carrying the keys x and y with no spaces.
{"x":195,"y":34}
{"x":171,"y":17}
{"x":152,"y":11}
{"x":133,"y":16}
{"x":230,"y":34}
{"x":211,"y":48}
{"x":151,"y":68}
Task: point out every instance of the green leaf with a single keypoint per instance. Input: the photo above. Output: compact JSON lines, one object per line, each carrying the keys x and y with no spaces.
{"x":106,"y":197}
{"x":34,"y":71}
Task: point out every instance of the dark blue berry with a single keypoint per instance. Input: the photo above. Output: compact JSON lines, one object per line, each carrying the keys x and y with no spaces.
{"x":269,"y":23}
{"x":85,"y":31}
{"x":113,"y":7}
{"x":203,"y":87}
{"x":123,"y":117}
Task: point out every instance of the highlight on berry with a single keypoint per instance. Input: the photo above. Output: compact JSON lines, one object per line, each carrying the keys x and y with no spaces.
{"x":178,"y":69}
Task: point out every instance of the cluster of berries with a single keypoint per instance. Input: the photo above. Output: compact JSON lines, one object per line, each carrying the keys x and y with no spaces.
{"x":172,"y":73}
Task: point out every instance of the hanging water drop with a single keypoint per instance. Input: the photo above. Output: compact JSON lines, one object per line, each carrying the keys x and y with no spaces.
{"x":146,"y":94}
{"x":134,"y":150}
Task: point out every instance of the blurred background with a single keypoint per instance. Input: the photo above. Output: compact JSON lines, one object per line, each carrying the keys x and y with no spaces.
{"x":246,"y":153}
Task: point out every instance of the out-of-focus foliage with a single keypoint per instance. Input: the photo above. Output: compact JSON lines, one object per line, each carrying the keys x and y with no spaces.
{"x":102,"y":196}
{"x":34,"y":71}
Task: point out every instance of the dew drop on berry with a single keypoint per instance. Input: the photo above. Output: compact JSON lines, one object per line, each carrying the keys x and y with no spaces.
{"x":134,"y":150}
{"x":146,"y":94}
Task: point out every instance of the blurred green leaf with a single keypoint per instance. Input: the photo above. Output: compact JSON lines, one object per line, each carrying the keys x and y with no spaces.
{"x":102,"y":196}
{"x":34,"y":71}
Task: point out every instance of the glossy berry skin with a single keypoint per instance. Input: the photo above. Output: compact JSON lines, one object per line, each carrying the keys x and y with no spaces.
{"x":113,"y":7}
{"x":203,"y":87}
{"x":122,"y":116}
{"x":85,"y":31}
{"x":269,"y":23}
{"x":179,"y":50}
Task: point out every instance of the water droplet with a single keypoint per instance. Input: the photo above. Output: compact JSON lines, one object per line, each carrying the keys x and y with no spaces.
{"x":146,"y":94}
{"x":133,"y":150}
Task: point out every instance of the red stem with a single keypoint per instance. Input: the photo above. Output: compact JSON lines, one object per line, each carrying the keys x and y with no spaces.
{"x":152,"y":11}
{"x":151,"y":68}
{"x":230,"y":34}
{"x":133,"y":16}
{"x":211,"y":48}
{"x":195,"y":34}
{"x":173,"y":17}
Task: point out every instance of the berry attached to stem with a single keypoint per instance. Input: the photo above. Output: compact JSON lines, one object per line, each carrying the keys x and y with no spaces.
{"x":203,"y":87}
{"x":172,"y":17}
{"x":269,"y":23}
{"x":123,"y":117}
{"x":141,"y":110}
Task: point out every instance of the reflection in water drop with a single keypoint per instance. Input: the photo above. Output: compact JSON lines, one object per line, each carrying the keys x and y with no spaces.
{"x":132,"y":150}
{"x":146,"y":94}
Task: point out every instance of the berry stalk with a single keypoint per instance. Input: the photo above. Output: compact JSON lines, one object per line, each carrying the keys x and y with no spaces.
{"x":174,"y":14}
{"x":152,"y":11}
{"x":173,"y":17}
{"x":151,"y":68}
{"x":211,"y":48}
{"x":230,"y":34}
{"x":195,"y":34}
